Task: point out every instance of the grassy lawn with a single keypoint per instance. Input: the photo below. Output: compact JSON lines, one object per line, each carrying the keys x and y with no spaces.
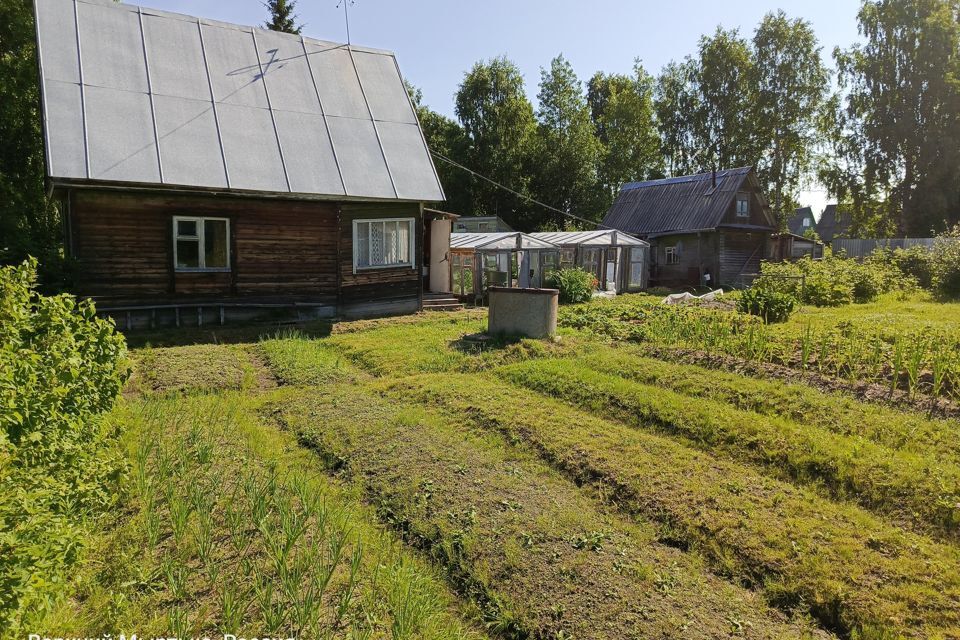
{"x":402,"y":479}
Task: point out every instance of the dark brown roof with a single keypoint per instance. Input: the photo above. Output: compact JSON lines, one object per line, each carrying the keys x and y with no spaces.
{"x":685,"y":203}
{"x":833,"y":224}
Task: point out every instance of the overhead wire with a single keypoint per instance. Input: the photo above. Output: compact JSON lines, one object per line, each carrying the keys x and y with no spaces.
{"x":454,"y":163}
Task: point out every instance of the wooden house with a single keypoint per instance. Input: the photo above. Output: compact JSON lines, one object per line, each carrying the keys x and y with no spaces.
{"x":802,"y":221}
{"x":210,"y":168}
{"x":834,"y":224}
{"x":481,"y":224}
{"x":717,"y":224}
{"x":619,"y":261}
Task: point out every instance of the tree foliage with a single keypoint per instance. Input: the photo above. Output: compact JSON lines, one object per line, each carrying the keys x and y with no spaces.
{"x":497,"y":119}
{"x":282,"y":16}
{"x":790,"y":82}
{"x":624,"y":119}
{"x":29,"y":223}
{"x":565,"y":144}
{"x":894,"y":130}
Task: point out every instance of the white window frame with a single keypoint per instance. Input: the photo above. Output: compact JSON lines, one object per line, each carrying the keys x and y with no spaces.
{"x":807,"y":223}
{"x":671,"y":250}
{"x":202,"y":257}
{"x":742,"y":197}
{"x":411,"y":264}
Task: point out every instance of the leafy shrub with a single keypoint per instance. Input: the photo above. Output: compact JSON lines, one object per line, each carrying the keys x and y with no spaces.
{"x":769,"y":305}
{"x":945,"y":264}
{"x":575,"y":285}
{"x":834,"y":280}
{"x":913,"y":262}
{"x":61,"y":368}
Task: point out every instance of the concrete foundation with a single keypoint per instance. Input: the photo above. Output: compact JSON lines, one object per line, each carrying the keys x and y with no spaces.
{"x":531,"y":313}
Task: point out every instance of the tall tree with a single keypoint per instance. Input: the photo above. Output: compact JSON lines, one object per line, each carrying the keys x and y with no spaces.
{"x":723,"y":124}
{"x":621,"y":107}
{"x":565,"y":174}
{"x":282,"y":16}
{"x":676,"y":100}
{"x":790,"y":82}
{"x":896,"y":134}
{"x":29,"y":224}
{"x":498,"y":121}
{"x":446,"y":138}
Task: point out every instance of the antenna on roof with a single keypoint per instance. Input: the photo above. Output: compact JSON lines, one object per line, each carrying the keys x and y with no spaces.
{"x":346,"y":14}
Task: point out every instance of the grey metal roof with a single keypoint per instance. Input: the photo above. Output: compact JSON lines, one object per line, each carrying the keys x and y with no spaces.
{"x":601,"y":238}
{"x":833,"y":224}
{"x":137,"y":95}
{"x":498,"y":241}
{"x":684,"y":203}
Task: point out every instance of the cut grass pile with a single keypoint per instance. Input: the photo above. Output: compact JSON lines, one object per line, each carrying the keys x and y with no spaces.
{"x":936,"y":439}
{"x":537,"y":553}
{"x":903,"y":485}
{"x":440,"y":343}
{"x":853,"y":572}
{"x":199,"y":367}
{"x":225,"y":532}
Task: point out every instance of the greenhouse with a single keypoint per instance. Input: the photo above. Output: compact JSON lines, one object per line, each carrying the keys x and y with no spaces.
{"x":619,"y":261}
{"x":504,"y":259}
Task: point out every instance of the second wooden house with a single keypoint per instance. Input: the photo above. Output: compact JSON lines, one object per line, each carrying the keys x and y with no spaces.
{"x":707,"y":229}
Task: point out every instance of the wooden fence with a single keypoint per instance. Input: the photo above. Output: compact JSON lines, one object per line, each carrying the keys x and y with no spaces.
{"x":862,"y":247}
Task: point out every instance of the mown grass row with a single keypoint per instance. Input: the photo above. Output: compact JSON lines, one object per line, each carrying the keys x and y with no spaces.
{"x":904,"y":486}
{"x":855,"y":573}
{"x":226,"y":531}
{"x":522,"y":541}
{"x":935,"y":439}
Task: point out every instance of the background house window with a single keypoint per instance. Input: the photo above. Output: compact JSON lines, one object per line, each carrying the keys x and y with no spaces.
{"x":201,"y":244}
{"x":671,"y":255}
{"x":383,"y":243}
{"x":743,"y":205}
{"x":806,"y":223}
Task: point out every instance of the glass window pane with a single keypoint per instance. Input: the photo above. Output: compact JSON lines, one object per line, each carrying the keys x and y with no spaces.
{"x":403,"y":242}
{"x":636,"y":273}
{"x":376,"y":243}
{"x":215,"y":244}
{"x":362,"y":242}
{"x":187,"y":228}
{"x":390,"y":251}
{"x":188,"y":254}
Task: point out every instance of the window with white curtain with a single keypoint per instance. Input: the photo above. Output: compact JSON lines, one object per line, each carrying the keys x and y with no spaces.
{"x":383,"y":243}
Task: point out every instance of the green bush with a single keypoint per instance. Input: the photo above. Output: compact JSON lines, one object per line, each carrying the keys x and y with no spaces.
{"x":945,"y":264}
{"x":769,"y":305}
{"x":834,"y":280}
{"x":61,"y":368}
{"x":914,"y":262}
{"x":575,"y":285}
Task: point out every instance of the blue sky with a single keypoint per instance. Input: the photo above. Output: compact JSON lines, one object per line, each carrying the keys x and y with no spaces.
{"x":436,"y":41}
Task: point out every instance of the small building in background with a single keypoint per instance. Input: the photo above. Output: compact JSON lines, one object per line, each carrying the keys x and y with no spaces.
{"x":715,"y":224}
{"x":619,"y":261}
{"x":834,"y":223}
{"x":210,"y":168}
{"x":802,"y":221}
{"x":481,"y":224}
{"x":790,"y":246}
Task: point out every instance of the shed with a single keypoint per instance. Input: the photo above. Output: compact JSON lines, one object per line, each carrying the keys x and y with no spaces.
{"x":218,"y":167}
{"x":504,"y":259}
{"x":619,"y":261}
{"x":705,"y":229}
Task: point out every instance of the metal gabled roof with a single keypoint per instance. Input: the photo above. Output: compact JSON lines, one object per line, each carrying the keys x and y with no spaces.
{"x":137,"y":95}
{"x":676,"y":204}
{"x":833,"y":224}
{"x":498,"y":241}
{"x":598,"y":238}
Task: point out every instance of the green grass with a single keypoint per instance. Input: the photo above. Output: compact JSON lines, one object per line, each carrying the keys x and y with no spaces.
{"x":225,"y":529}
{"x":888,"y":313}
{"x":903,"y":485}
{"x":852,"y":570}
{"x":540,"y":556}
{"x":896,"y":429}
{"x":298,"y":360}
{"x":196,"y":368}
